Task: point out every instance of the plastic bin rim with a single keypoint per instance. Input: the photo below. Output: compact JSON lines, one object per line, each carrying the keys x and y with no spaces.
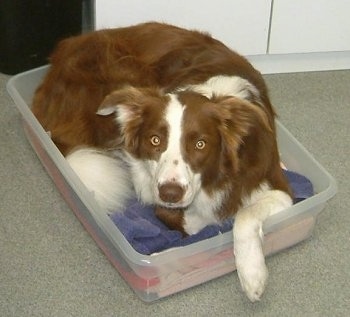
{"x":201,"y":246}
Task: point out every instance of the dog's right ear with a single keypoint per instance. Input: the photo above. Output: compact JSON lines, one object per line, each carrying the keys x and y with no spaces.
{"x":130,"y":106}
{"x":125,"y":103}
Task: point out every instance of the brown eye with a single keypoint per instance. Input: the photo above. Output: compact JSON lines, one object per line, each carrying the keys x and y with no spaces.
{"x":155,"y":140}
{"x":200,"y":145}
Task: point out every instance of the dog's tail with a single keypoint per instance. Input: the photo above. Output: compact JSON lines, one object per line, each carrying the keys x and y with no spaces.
{"x":106,"y":177}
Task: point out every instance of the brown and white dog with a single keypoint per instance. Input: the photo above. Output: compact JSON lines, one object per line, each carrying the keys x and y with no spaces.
{"x":176,"y":118}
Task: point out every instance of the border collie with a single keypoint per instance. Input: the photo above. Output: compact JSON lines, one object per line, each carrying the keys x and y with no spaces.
{"x":175,"y":118}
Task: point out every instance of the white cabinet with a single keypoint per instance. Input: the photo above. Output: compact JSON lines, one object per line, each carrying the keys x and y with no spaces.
{"x":241,"y":24}
{"x":304,"y":26}
{"x":275,"y":35}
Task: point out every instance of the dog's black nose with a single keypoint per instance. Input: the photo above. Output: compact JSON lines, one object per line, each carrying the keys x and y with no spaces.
{"x":171,"y":192}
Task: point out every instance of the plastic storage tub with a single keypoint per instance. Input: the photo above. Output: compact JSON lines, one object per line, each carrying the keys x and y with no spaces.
{"x":156,"y":276}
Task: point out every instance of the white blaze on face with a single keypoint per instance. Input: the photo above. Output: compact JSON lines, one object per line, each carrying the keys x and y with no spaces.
{"x":171,"y":168}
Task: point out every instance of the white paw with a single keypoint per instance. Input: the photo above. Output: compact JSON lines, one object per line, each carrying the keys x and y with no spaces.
{"x":250,"y":263}
{"x":253,"y":276}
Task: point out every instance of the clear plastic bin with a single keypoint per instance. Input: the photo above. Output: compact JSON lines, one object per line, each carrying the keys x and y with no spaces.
{"x":159,"y":275}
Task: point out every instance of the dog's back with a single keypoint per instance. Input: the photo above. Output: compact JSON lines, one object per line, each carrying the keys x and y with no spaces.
{"x":84,"y":69}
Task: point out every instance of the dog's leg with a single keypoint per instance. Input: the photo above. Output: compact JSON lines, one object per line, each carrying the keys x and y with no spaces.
{"x":248,"y":235}
{"x":172,"y":218}
{"x":106,"y":177}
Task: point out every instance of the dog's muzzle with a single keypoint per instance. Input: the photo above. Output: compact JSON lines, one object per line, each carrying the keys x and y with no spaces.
{"x":171,"y":192}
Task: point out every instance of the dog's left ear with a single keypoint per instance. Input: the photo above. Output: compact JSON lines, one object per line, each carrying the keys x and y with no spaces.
{"x":239,"y":119}
{"x":241,"y":116}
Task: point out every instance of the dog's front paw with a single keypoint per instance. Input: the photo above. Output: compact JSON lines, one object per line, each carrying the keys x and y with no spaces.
{"x":253,"y":276}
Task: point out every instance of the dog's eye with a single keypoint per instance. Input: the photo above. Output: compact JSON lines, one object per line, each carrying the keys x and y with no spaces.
{"x":200,"y":145}
{"x":155,"y":140}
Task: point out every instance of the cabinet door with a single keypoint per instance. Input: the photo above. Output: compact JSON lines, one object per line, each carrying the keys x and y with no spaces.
{"x":303,"y":26}
{"x":241,"y":24}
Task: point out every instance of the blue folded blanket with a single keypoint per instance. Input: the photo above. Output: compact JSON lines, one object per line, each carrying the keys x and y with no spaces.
{"x":147,"y":234}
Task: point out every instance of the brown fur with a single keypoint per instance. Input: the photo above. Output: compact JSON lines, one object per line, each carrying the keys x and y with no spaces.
{"x":86,"y":68}
{"x":235,"y":131}
{"x":242,"y":149}
{"x":172,"y":218}
{"x":146,"y":105}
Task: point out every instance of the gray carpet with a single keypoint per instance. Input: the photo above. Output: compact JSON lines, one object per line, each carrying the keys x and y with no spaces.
{"x":50,"y":266}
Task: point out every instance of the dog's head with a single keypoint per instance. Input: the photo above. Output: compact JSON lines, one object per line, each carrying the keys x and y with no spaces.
{"x":183,"y":142}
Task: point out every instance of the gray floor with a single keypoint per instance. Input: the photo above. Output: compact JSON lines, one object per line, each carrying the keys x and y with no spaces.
{"x":49,"y":265}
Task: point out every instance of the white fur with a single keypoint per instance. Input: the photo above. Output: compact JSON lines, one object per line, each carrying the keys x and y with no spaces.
{"x":202,"y":211}
{"x":223,"y":85}
{"x":140,"y":172}
{"x":248,"y":235}
{"x":169,"y":171}
{"x":148,"y":175}
{"x":106,"y":177}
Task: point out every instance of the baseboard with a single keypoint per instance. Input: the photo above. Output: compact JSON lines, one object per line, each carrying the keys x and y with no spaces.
{"x":305,"y":62}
